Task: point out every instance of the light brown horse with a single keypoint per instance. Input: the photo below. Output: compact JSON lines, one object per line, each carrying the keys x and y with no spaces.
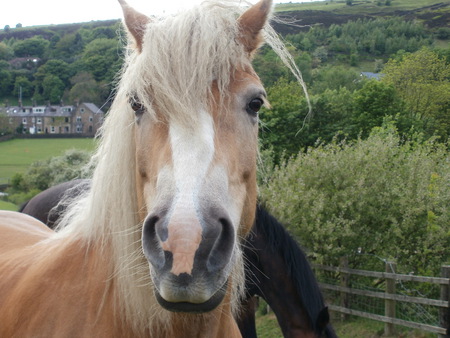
{"x":153,"y":249}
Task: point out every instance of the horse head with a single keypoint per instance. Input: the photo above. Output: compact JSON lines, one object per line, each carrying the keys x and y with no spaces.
{"x":195,"y":100}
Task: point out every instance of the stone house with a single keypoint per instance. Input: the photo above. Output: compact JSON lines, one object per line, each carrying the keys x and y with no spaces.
{"x":83,"y":118}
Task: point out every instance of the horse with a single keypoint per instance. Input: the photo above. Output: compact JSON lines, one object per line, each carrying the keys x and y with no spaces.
{"x":153,"y":249}
{"x":272,"y":258}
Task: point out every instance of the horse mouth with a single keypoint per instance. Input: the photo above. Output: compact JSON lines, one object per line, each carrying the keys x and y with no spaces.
{"x":187,"y":307}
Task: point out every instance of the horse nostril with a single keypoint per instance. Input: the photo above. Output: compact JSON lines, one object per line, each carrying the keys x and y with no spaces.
{"x":150,"y":242}
{"x":223,"y":246}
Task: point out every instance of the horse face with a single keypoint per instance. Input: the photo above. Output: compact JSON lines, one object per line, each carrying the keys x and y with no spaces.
{"x":196,"y":175}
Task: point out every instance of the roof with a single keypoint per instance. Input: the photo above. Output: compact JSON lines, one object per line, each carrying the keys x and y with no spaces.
{"x":370,"y":75}
{"x":48,"y":111}
{"x":93,"y":108}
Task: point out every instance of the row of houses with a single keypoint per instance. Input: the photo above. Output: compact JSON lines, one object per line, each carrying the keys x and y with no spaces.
{"x":82,"y":118}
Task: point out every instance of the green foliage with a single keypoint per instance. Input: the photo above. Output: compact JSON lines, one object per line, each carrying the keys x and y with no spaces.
{"x":279,"y":125}
{"x":383,"y":196}
{"x":334,"y":77}
{"x":18,"y":154}
{"x":372,"y":103}
{"x":57,"y":68}
{"x":422,"y":80}
{"x":364,"y":36}
{"x":23,"y":83}
{"x":6,"y":52}
{"x":101,"y":58}
{"x":5,"y":82}
{"x":44,"y":174}
{"x":443,"y":33}
{"x":85,"y":89}
{"x":34,"y":46}
{"x":53,"y":88}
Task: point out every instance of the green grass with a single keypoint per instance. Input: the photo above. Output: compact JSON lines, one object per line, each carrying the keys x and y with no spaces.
{"x":17,"y":155}
{"x":7,"y":206}
{"x":267,"y":327}
{"x":359,"y":6}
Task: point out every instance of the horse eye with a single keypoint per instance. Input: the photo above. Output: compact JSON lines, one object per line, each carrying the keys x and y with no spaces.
{"x":254,"y":106}
{"x":137,"y":106}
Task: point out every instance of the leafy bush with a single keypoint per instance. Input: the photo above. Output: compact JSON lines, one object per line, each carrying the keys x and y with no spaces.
{"x":382,"y":196}
{"x":44,"y":174}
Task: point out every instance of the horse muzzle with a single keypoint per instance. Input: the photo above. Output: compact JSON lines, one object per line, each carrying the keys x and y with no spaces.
{"x":190,"y":259}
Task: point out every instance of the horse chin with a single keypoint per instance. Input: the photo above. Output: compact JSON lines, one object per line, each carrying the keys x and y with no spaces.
{"x":187,"y":307}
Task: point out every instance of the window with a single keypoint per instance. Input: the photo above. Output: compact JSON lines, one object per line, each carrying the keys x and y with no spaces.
{"x":66,"y":120}
{"x":24,"y":121}
{"x":33,"y":120}
{"x":79,"y":129}
{"x":91,"y":118}
{"x":66,"y":129}
{"x":39,"y":121}
{"x":52,"y":129}
{"x":78,"y":118}
{"x":82,"y":110}
{"x":39,"y":130}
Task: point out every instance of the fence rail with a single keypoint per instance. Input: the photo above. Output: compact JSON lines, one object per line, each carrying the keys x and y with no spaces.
{"x":389,"y":295}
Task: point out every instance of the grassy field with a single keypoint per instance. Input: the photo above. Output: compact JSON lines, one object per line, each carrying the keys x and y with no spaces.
{"x":267,"y":327}
{"x":7,"y":206}
{"x":366,"y":6}
{"x":16,"y":155}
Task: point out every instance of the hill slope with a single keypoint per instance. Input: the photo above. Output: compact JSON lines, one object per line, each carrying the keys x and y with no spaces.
{"x":301,"y":16}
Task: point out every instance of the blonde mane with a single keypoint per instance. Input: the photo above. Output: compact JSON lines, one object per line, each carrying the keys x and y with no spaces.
{"x":180,"y":58}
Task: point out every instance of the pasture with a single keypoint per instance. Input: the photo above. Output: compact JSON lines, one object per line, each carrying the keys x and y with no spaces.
{"x":359,"y":6}
{"x":17,"y":155}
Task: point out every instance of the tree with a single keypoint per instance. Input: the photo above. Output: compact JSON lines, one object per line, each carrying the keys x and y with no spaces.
{"x":372,"y":103}
{"x":279,"y":125}
{"x":68,"y":46}
{"x":383,"y":196}
{"x":35,"y":46}
{"x":100,"y":57}
{"x":334,"y":77}
{"x":422,"y":82}
{"x":5,"y":82}
{"x":59,"y":68}
{"x":85,"y":89}
{"x":24,"y":85}
{"x":53,"y":88}
{"x":6,"y":52}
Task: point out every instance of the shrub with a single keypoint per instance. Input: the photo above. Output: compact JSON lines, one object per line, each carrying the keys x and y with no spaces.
{"x":381,"y":196}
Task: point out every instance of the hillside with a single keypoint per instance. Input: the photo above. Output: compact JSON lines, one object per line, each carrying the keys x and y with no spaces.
{"x":301,"y":16}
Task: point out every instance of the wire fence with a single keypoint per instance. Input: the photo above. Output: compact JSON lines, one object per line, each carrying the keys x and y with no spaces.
{"x":395,"y":299}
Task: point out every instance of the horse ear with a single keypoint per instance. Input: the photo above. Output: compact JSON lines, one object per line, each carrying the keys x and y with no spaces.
{"x":135,"y":22}
{"x":251,"y":22}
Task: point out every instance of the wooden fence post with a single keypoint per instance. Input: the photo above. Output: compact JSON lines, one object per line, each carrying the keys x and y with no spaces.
{"x":344,"y":281}
{"x":389,"y":304}
{"x":444,"y":313}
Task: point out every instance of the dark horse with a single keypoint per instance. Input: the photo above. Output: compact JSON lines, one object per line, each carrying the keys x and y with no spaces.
{"x":276,"y":268}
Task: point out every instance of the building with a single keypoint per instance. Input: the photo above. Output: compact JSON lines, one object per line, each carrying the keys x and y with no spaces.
{"x":370,"y":75}
{"x":83,"y":118}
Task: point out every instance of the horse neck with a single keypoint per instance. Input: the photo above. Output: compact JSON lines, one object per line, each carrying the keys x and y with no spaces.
{"x":273,"y":279}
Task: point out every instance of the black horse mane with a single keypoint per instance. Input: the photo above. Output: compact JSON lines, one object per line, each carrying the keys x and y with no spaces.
{"x":298,"y":267}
